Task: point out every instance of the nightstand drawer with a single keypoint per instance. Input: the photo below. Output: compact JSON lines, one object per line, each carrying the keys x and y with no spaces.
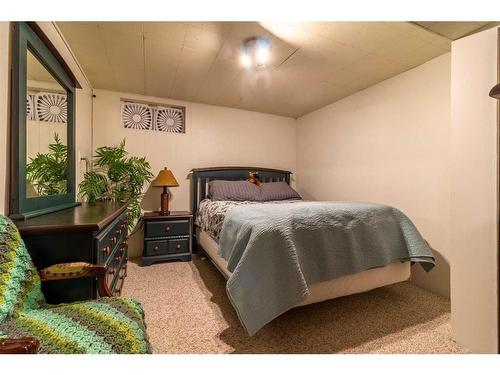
{"x":156,"y":248}
{"x":162,"y":247}
{"x":180,"y":245}
{"x":167,"y":228}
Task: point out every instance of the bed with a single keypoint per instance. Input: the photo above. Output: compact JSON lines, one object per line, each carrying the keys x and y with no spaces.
{"x":263,"y":286}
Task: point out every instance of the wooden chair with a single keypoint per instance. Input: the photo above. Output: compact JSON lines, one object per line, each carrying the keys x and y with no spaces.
{"x":116,"y":324}
{"x":64,"y":271}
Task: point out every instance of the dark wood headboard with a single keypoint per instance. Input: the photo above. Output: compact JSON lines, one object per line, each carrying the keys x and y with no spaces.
{"x":201,"y":177}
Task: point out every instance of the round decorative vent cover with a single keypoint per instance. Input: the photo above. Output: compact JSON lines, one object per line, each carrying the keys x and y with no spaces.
{"x":51,"y":107}
{"x":136,"y":116}
{"x":30,"y":113}
{"x":169,"y":120}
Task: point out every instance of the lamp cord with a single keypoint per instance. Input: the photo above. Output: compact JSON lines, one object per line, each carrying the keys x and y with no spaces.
{"x":137,"y":227}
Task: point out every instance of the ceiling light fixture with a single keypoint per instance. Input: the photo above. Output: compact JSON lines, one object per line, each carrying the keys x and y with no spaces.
{"x":255,"y":52}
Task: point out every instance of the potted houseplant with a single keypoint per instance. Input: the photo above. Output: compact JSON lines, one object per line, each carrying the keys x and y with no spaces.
{"x":117,"y":177}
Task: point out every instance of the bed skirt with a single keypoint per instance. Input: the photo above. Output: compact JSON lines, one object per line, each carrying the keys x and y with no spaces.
{"x":343,"y":286}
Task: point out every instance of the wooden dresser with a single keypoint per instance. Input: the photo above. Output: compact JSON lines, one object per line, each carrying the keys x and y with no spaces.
{"x":87,"y":233}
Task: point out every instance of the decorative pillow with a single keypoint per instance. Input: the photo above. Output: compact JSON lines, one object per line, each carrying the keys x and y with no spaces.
{"x":220,"y":190}
{"x":277,"y":191}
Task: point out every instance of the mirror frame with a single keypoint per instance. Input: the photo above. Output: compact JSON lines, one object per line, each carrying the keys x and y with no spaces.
{"x":21,"y":207}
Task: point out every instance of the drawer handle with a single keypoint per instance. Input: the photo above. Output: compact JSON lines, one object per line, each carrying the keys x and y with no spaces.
{"x":178,"y":246}
{"x":113,"y":240}
{"x":167,"y":229}
{"x":156,"y":248}
{"x":117,"y":259}
{"x":106,"y":250}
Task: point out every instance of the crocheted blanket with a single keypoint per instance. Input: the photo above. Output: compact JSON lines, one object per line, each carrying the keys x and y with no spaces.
{"x":106,"y":325}
{"x":20,"y":288}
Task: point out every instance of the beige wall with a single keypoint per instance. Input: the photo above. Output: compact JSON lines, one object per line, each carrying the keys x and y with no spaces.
{"x":4,"y":114}
{"x":215,"y":136}
{"x":83,"y":104}
{"x":388,"y":144}
{"x":474,"y":222}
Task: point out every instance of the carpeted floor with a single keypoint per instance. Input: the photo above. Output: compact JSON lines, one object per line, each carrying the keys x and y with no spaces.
{"x":187,"y":311}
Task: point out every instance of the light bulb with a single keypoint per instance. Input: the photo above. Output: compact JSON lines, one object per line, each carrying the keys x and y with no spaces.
{"x":245,"y":59}
{"x":262,"y":55}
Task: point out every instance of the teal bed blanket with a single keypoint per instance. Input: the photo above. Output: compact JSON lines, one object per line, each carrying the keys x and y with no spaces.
{"x":275,"y":251}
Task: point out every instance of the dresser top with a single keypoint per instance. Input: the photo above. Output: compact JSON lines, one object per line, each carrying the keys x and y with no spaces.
{"x":85,"y":217}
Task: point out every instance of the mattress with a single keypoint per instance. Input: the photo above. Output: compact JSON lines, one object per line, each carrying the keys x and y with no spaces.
{"x":322,"y":291}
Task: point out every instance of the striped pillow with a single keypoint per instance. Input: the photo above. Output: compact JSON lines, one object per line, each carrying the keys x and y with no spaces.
{"x":277,"y":191}
{"x":220,"y":190}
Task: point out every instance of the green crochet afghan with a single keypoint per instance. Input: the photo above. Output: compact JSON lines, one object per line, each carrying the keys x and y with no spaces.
{"x":106,"y":325}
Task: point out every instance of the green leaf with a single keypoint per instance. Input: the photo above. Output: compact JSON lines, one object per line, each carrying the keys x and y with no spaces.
{"x":48,"y":172}
{"x":117,"y":177}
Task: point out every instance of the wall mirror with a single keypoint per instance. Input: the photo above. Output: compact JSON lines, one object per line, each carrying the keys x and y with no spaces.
{"x":42,"y":128}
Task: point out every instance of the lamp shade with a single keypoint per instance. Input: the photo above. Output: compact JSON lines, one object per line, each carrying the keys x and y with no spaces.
{"x":495,"y":91}
{"x":165,"y":178}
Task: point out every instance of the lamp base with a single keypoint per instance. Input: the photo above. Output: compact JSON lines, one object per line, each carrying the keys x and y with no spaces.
{"x":164,"y":203}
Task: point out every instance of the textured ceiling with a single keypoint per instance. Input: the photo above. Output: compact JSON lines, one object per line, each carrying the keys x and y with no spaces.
{"x":36,"y":71}
{"x":454,"y":30}
{"x":312,"y":63}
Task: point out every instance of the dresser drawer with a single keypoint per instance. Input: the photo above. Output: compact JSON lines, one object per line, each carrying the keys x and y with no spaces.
{"x":116,"y":287}
{"x":116,"y":263}
{"x":164,"y":228}
{"x":111,"y":238}
{"x":156,"y":247}
{"x":113,"y":268}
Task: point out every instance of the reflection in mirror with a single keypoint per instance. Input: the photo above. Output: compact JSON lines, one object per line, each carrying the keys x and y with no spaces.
{"x":46,"y":128}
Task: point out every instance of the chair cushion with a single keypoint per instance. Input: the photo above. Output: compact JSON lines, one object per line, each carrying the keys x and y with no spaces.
{"x":104,"y":326}
{"x":19,"y":282}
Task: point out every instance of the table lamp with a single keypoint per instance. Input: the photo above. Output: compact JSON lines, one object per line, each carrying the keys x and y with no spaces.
{"x":166,"y":179}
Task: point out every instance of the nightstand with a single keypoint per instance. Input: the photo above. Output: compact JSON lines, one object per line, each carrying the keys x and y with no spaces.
{"x":167,"y":237}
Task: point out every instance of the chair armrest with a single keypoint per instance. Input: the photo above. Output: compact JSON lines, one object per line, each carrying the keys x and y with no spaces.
{"x":78,"y":270}
{"x":23,"y":345}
